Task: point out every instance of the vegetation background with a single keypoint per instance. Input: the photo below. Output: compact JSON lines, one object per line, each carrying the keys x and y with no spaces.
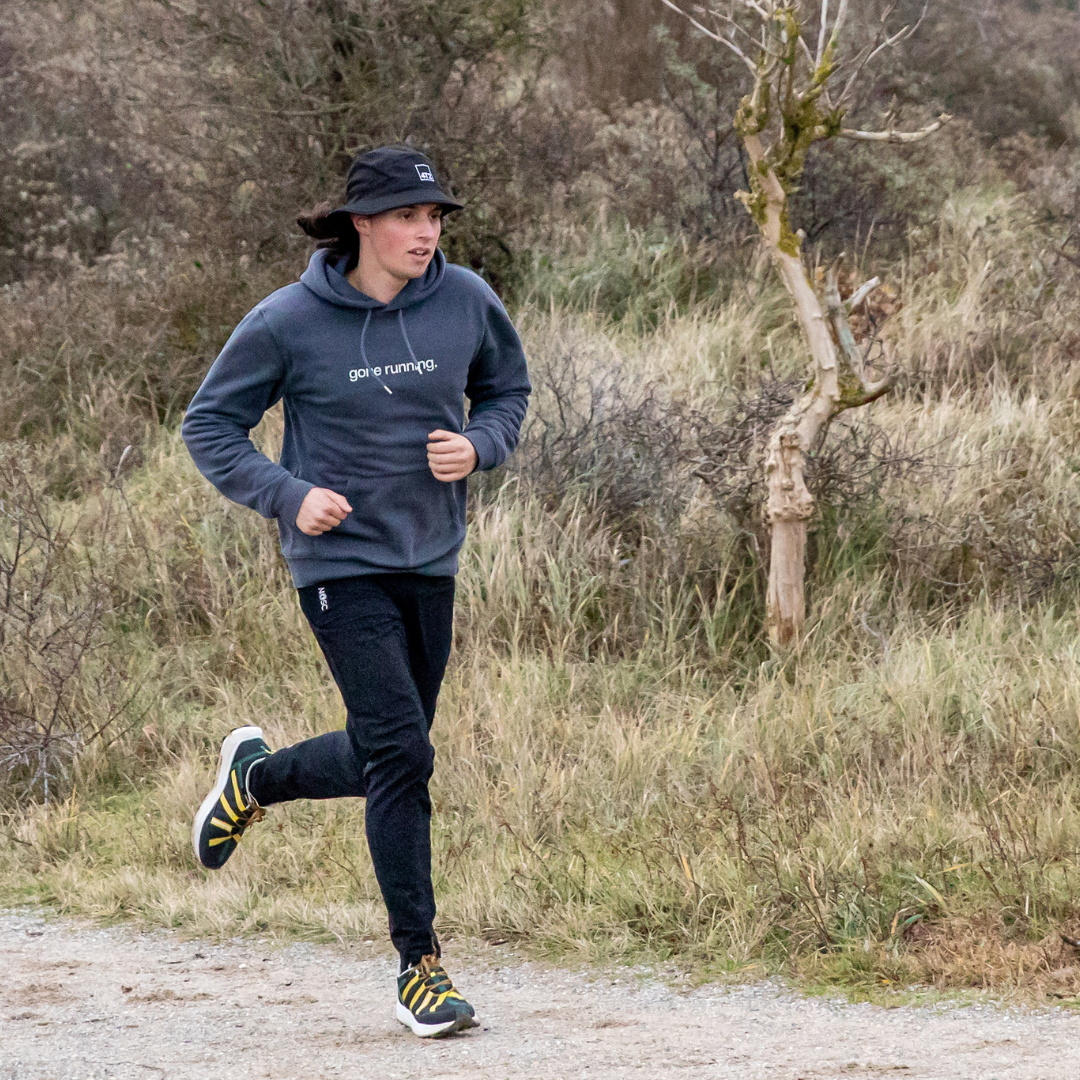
{"x":625,"y":770}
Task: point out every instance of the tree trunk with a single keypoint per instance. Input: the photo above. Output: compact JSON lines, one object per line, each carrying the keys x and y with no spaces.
{"x":836,"y":382}
{"x":790,"y":503}
{"x":785,"y":599}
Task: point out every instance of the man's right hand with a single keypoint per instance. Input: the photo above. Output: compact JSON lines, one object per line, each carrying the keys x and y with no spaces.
{"x":321,"y":510}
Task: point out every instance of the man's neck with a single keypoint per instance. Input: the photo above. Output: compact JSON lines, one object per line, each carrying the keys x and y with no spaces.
{"x":375,"y":282}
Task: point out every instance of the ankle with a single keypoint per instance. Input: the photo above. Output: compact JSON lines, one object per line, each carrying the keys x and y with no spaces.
{"x":251,"y":780}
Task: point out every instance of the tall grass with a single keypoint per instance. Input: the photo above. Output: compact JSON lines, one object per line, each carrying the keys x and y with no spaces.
{"x":624,"y":768}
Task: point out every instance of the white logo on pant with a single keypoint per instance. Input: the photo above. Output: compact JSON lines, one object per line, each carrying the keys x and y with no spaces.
{"x":324,"y":604}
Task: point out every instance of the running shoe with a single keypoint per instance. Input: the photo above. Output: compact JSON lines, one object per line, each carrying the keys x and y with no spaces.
{"x":427,"y":1002}
{"x":229,"y":808}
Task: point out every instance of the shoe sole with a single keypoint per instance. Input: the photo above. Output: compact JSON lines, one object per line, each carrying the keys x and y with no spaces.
{"x":228,"y":751}
{"x":433,"y":1031}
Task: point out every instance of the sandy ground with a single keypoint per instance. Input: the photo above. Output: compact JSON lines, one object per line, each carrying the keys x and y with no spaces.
{"x":78,"y":1003}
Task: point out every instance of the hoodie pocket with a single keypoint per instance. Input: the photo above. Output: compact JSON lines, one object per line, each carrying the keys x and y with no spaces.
{"x":398,"y":522}
{"x":404,"y":521}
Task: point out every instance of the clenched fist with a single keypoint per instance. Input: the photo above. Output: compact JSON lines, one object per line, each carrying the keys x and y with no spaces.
{"x":451,"y":457}
{"x":321,"y":510}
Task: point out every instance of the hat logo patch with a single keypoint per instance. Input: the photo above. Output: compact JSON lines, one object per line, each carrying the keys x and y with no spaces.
{"x":425,"y":173}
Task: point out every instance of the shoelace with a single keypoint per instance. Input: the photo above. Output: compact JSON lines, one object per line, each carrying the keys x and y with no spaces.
{"x":435,"y":986}
{"x":239,"y":821}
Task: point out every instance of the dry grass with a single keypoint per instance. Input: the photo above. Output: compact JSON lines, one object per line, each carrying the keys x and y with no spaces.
{"x":624,"y":770}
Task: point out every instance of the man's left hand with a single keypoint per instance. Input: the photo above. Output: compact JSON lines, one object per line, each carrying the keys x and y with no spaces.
{"x":451,"y":457}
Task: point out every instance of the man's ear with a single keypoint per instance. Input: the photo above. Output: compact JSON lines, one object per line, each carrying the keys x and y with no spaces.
{"x":361,"y":222}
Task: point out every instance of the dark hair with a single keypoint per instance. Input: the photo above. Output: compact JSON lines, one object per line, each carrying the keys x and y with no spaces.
{"x":334,"y":232}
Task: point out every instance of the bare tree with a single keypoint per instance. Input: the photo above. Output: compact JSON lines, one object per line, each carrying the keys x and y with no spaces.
{"x":802,"y":86}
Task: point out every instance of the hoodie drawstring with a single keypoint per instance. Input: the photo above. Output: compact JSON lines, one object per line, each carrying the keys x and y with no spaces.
{"x":363,"y":352}
{"x":408,"y":343}
{"x":405,"y":336}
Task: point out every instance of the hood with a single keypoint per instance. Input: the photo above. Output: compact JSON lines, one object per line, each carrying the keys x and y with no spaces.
{"x":324,"y":278}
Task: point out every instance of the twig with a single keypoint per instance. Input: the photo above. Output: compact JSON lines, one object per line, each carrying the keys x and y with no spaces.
{"x":756,"y":7}
{"x":821,"y":33}
{"x":1075,"y":260}
{"x":860,"y":294}
{"x":120,"y":463}
{"x":881,"y":637}
{"x":25,"y":843}
{"x":715,"y":36}
{"x":731,"y":22}
{"x":872,"y":51}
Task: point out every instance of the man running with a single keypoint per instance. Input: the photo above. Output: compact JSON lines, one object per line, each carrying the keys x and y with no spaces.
{"x":371,"y":353}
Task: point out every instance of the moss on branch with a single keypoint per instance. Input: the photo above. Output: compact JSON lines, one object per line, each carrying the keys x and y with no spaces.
{"x":797,"y":116}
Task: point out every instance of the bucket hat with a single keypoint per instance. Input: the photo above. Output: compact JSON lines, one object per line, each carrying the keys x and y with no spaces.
{"x":390,"y":177}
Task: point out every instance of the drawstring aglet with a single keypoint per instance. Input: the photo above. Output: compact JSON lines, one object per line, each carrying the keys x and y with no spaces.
{"x":387,"y":389}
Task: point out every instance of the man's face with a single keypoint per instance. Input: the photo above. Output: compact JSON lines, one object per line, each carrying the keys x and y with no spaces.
{"x":402,"y":241}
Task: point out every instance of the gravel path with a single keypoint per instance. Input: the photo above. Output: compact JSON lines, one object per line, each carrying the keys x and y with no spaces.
{"x":79,"y":1003}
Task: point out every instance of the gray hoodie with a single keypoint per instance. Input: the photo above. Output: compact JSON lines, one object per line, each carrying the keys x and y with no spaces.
{"x":363,"y":384}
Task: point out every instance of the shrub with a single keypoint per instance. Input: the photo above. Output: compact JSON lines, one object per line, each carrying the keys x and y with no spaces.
{"x":61,"y":689}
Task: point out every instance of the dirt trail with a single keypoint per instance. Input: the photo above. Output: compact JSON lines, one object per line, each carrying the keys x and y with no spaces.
{"x":78,"y":1003}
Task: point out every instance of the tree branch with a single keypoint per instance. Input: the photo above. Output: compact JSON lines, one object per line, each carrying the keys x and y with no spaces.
{"x":873,"y":391}
{"x":809,"y":55}
{"x":892,"y":136}
{"x":757,"y":7}
{"x":714,"y":36}
{"x":886,"y":42}
{"x":862,"y":392}
{"x":841,"y":17}
{"x":735,"y":26}
{"x":860,"y":294}
{"x":821,"y":33}
{"x":901,"y":35}
{"x":1072,"y":258}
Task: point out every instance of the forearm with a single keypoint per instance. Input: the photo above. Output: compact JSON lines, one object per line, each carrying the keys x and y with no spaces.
{"x":245,"y":380}
{"x":226,"y":456}
{"x":494,"y":428}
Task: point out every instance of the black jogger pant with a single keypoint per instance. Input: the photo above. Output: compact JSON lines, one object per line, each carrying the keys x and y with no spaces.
{"x":386,"y":638}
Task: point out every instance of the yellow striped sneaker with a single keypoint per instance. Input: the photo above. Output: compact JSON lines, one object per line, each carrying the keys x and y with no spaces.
{"x":427,"y":1002}
{"x":229,"y":809}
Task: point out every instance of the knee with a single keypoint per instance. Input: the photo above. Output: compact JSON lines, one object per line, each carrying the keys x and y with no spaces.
{"x":411,"y":758}
{"x":420,"y":758}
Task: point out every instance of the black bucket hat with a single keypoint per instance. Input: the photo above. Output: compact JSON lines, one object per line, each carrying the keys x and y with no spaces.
{"x":390,"y":177}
